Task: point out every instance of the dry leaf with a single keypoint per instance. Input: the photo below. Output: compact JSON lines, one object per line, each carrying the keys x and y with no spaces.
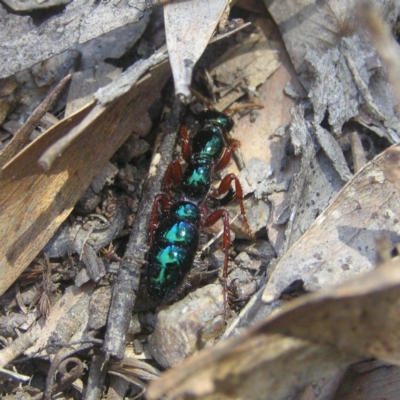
{"x":341,"y":242}
{"x":370,"y":380}
{"x":24,"y":44}
{"x":249,"y":367}
{"x":315,"y":336}
{"x":189,"y":26}
{"x":31,"y":5}
{"x":243,"y":68}
{"x":33,"y":203}
{"x":336,"y":62}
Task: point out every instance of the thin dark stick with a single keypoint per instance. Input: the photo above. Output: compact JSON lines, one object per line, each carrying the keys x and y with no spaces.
{"x":21,"y":138}
{"x":127,"y":283}
{"x":97,"y":375}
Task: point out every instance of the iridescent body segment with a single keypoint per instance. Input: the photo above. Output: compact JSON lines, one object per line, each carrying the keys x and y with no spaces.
{"x":171,"y":256}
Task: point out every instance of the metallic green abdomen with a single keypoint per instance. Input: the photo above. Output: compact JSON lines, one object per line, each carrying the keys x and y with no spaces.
{"x":171,"y":256}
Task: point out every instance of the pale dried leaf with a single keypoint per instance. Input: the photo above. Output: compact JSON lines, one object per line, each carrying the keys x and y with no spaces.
{"x":313,"y":337}
{"x":249,"y":367}
{"x":341,"y":242}
{"x":30,"y":5}
{"x":361,"y":316}
{"x":243,"y":68}
{"x":321,"y":38}
{"x":189,"y":26}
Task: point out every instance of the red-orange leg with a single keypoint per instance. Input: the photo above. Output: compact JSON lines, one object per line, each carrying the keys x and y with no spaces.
{"x":226,"y":242}
{"x":224,"y":161}
{"x":186,"y":153}
{"x":224,"y":187}
{"x":172,"y":177}
{"x":162,"y":200}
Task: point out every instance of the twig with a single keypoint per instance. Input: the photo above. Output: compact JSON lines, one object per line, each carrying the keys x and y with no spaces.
{"x":14,"y":375}
{"x":127,"y":284}
{"x":97,"y":374}
{"x":363,"y":88}
{"x":21,"y":138}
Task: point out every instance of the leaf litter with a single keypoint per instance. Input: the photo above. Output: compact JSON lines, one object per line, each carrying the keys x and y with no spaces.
{"x":314,"y":229}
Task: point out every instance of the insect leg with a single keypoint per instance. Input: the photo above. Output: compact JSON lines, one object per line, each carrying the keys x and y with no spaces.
{"x":224,"y":161}
{"x":162,"y":200}
{"x":224,"y":188}
{"x":172,"y":177}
